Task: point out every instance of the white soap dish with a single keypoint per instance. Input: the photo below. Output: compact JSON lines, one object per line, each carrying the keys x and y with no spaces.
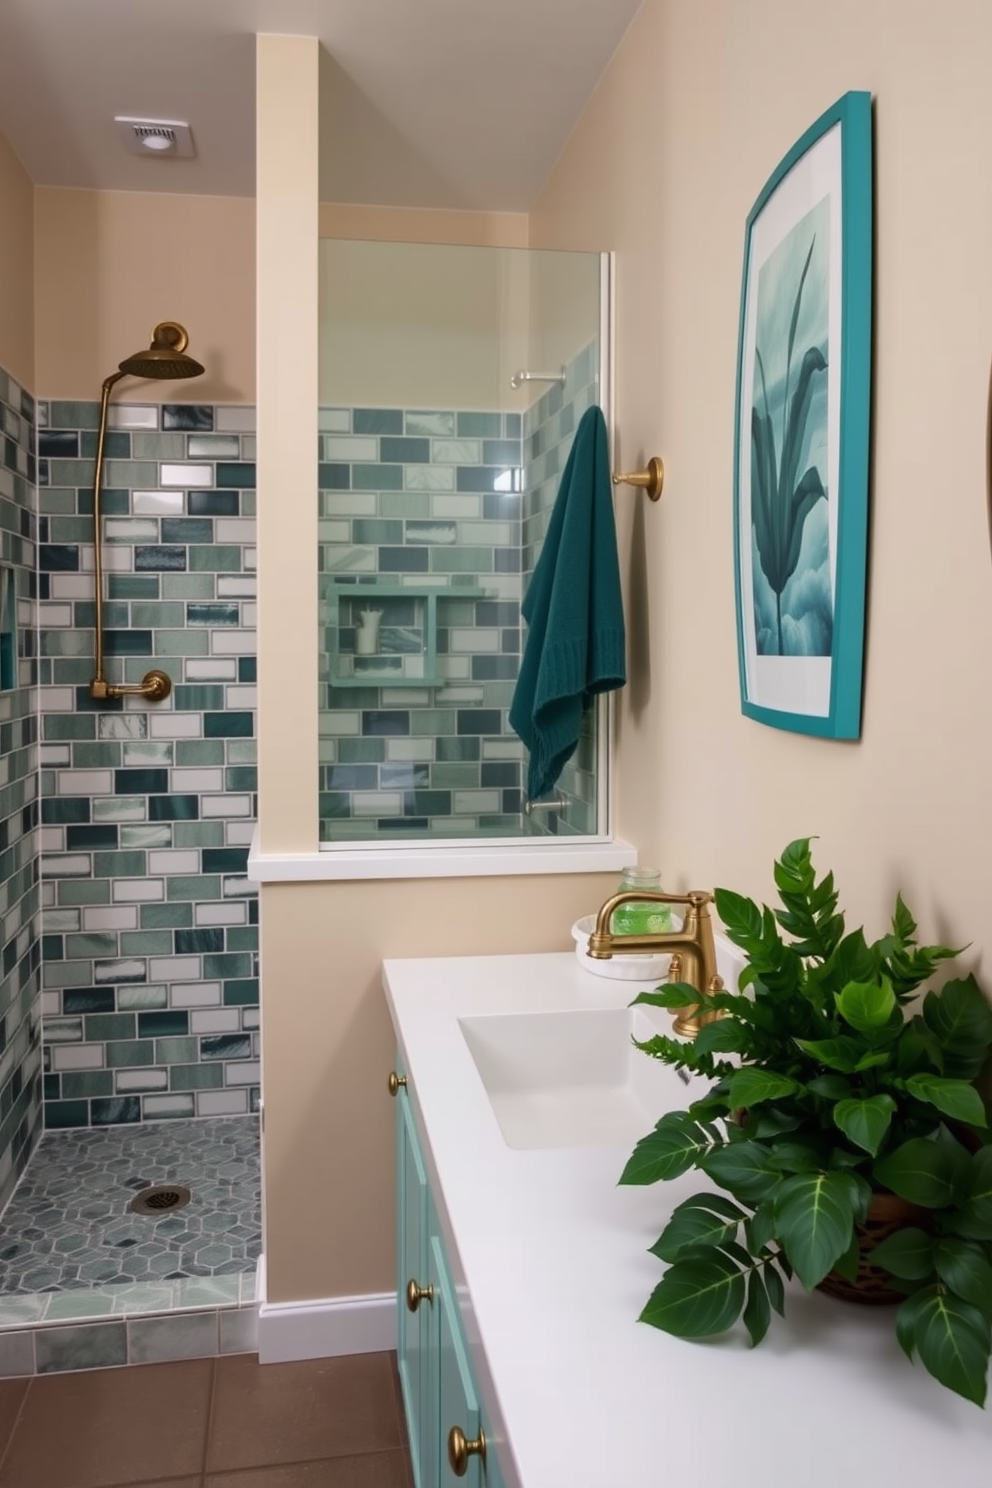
{"x":652,"y":968}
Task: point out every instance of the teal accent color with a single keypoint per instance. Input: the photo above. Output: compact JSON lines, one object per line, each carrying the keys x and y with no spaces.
{"x":377,"y":477}
{"x":166,"y":916}
{"x":101,"y":1026}
{"x":135,"y":586}
{"x":852,"y":113}
{"x":199,"y":751}
{"x":214,"y":558}
{"x":134,"y":1051}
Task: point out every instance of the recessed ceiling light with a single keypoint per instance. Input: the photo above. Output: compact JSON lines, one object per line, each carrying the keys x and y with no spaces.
{"x":160,"y":137}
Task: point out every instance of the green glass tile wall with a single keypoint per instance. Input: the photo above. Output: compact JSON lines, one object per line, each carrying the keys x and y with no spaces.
{"x":149,"y":976}
{"x":422,"y":499}
{"x":20,"y":945}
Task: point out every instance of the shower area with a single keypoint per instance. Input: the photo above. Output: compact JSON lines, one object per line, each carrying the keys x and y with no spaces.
{"x":451,"y":383}
{"x":129,"y":1010}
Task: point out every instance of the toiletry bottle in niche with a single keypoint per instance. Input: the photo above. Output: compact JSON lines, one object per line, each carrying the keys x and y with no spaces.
{"x":646,"y":918}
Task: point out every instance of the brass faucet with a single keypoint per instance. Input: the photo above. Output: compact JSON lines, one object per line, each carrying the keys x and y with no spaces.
{"x":693,"y":948}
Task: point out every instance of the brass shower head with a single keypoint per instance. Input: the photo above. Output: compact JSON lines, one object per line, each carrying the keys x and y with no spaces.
{"x":166,"y":357}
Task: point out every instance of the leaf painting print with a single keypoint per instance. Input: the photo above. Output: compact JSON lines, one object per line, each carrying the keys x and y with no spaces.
{"x":792,"y":582}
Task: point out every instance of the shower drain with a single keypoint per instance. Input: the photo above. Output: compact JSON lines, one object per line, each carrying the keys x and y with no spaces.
{"x":160,"y":1198}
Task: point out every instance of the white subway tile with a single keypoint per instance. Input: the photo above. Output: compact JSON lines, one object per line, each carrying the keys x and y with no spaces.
{"x":174,"y":860}
{"x":176,"y":725}
{"x":247,"y":1072}
{"x":70,"y":865}
{"x":130,"y":529}
{"x":227,"y":642}
{"x":212,"y":913}
{"x":409,"y":749}
{"x":58,"y":699}
{"x":221,"y":1102}
{"x":127,"y":1081}
{"x":157,"y":503}
{"x":211,"y":669}
{"x":234,"y":529}
{"x":53,"y":756}
{"x":239,"y":833}
{"x":377,"y":803}
{"x":85,"y":782}
{"x":350,"y":447}
{"x":241,"y":697}
{"x":216,"y":1020}
{"x":334,"y":420}
{"x":174,"y":968}
{"x":154,"y":1106}
{"x":235,"y":420}
{"x":186,"y":474}
{"x":106,"y":917}
{"x":249,"y":558}
{"x":186,"y":780}
{"x":132,"y":416}
{"x":54,"y":616}
{"x":236,"y":586}
{"x":77,"y":1056}
{"x":140,"y":890}
{"x":51,"y":840}
{"x":227,"y":805}
{"x":196,"y":994}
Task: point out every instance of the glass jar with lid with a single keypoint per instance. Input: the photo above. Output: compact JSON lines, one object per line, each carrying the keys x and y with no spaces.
{"x":646,"y":918}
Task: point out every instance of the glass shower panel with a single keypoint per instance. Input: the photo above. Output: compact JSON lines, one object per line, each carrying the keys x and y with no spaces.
{"x":438,"y":468}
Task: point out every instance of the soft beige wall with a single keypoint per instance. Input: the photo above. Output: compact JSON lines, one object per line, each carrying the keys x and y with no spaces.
{"x":696,"y":110}
{"x":110,"y":264}
{"x":16,"y":268}
{"x":426,"y":225}
{"x":330,"y":1213}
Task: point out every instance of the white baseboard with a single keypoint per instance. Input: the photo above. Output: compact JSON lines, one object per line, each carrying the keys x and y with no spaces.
{"x":324,"y":1327}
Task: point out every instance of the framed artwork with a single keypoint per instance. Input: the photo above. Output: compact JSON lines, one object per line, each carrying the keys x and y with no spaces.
{"x":802,"y":431}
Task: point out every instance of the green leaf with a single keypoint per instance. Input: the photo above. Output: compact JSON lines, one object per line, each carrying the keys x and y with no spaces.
{"x":671,"y":1149}
{"x":865,"y":1122}
{"x":872,"y":1061}
{"x":760,"y":1228}
{"x":952,"y":1338}
{"x":814,"y":1214}
{"x":925,"y":1172}
{"x":671,"y":995}
{"x":903,"y":924}
{"x":796,"y":1157}
{"x":831,"y":1087}
{"x":757,"y":1311}
{"x":959,"y":1016}
{"x":974,"y":1218}
{"x":847,"y":1264}
{"x":725,"y":1036}
{"x":741,"y":917}
{"x":836,"y":1053}
{"x":955,"y":1098}
{"x":867,"y":1006}
{"x":705,"y":1219}
{"x":964,"y":1267}
{"x":741,"y":1167}
{"x":775,"y":1287}
{"x":749,"y":1087}
{"x":906,"y":1253}
{"x":697,"y":1297}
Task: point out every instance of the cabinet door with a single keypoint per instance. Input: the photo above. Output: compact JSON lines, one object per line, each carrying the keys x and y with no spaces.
{"x":457,"y":1402}
{"x":414,"y":1329}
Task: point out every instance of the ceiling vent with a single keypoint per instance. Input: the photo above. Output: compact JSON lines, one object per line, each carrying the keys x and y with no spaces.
{"x":166,"y":138}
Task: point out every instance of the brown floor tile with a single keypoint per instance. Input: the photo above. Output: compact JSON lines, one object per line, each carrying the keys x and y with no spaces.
{"x":12,"y":1393}
{"x":300,"y":1412}
{"x":112,"y":1428}
{"x":370,"y":1470}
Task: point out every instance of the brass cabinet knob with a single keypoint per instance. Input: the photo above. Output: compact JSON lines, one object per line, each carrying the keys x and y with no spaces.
{"x":395,"y":1082}
{"x":460,"y":1449}
{"x":416,"y":1294}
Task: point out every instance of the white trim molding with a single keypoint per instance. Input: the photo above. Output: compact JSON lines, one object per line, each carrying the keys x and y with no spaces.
{"x":324,"y":1327}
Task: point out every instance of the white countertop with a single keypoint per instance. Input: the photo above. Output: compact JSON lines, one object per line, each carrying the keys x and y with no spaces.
{"x":550,"y":1259}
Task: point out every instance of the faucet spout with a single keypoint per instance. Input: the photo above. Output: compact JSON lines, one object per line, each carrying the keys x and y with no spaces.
{"x":693,"y":948}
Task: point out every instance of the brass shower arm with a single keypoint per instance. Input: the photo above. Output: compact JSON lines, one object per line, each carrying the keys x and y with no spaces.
{"x":166,"y":358}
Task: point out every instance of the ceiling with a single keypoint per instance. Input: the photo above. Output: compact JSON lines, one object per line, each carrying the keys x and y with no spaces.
{"x":424,"y":103}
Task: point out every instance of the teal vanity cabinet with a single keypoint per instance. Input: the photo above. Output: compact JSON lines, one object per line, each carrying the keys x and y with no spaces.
{"x":449,"y":1442}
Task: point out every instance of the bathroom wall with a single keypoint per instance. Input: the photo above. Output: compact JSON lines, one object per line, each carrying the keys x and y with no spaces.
{"x":419,"y":498}
{"x":707,"y":793}
{"x":150,"y":926}
{"x":20,"y":946}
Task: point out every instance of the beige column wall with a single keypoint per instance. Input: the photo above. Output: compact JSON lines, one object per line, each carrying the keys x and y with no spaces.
{"x":16,"y":269}
{"x":697,"y":108}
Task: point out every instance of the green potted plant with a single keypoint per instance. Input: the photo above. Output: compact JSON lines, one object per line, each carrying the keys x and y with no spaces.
{"x":830,"y":1094}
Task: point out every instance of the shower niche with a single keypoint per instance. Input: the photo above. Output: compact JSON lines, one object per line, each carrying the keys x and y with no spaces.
{"x":451,"y":383}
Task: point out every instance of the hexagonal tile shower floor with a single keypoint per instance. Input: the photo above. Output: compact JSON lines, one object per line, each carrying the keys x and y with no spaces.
{"x":69,"y":1224}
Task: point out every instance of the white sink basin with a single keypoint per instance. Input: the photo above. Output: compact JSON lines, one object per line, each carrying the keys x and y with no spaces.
{"x":574,"y":1079}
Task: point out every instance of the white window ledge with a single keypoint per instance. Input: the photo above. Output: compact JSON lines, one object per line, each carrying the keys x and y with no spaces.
{"x":482,"y":859}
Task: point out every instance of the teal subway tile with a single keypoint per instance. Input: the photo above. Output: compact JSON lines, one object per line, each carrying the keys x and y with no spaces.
{"x":104,"y":754}
{"x":377,"y":477}
{"x":198,"y":696}
{"x":188,"y":586}
{"x":171,"y":1051}
{"x":242,"y":751}
{"x":67,"y":414}
{"x":79,"y":947}
{"x":196,"y":1077}
{"x":58,"y":726}
{"x":241,"y":778}
{"x":84,"y":891}
{"x":479,"y":425}
{"x":227,"y":965}
{"x":119,"y":864}
{"x":87,"y":1084}
{"x":228,"y":725}
{"x":226,"y":1046}
{"x":142,"y":999}
{"x":198,"y":833}
{"x":242,"y":938}
{"x":67,"y":1113}
{"x":70,"y":529}
{"x":187,"y":530}
{"x":361,"y":751}
{"x":410,"y":504}
{"x":148,"y":446}
{"x":56,"y":500}
{"x":116,"y":444}
{"x":101,"y":1026}
{"x":157,"y":615}
{"x":71,"y":472}
{"x":146,"y":942}
{"x":182,"y":643}
{"x":140,"y":475}
{"x":215,"y":558}
{"x":461,"y":560}
{"x":242,"y":991}
{"x":133,"y":1052}
{"x":177,"y":916}
{"x":133,"y":586}
{"x":235,"y":476}
{"x":142,"y":835}
{"x":194,"y":888}
{"x":164,"y":1024}
{"x":200,"y":752}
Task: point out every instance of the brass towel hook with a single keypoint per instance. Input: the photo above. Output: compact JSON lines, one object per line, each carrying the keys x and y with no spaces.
{"x":651,"y":480}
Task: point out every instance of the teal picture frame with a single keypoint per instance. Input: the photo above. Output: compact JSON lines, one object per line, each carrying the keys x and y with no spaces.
{"x":802,"y":431}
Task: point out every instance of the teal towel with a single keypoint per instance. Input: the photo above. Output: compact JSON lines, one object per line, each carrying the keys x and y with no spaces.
{"x":574,"y":613}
